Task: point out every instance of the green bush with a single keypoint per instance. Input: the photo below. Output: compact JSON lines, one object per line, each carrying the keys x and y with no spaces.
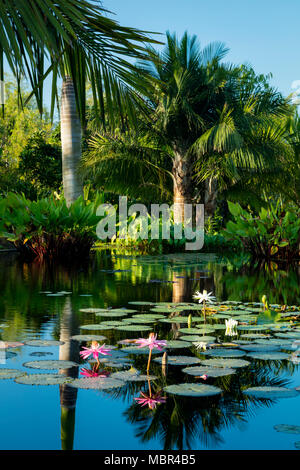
{"x":273,"y":233}
{"x":47,"y":228}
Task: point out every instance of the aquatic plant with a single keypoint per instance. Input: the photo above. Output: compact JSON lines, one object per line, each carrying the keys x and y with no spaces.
{"x":231,"y":325}
{"x":203,"y":298}
{"x":150,"y":400}
{"x":47,"y":228}
{"x":273,"y":233}
{"x":94,"y":351}
{"x":152,"y":342}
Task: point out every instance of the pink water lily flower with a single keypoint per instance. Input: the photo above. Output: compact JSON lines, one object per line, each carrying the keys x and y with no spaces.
{"x":95,"y":350}
{"x":151,"y":401}
{"x":151,"y":342}
{"x":93,"y":373}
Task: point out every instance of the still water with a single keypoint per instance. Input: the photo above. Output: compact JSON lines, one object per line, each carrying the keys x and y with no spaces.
{"x":62,"y":417}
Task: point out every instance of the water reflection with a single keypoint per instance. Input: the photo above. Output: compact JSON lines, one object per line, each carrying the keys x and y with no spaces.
{"x":113,"y":280}
{"x":69,"y":351}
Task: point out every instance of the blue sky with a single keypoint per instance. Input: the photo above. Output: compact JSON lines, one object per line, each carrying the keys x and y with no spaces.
{"x":264,"y":33}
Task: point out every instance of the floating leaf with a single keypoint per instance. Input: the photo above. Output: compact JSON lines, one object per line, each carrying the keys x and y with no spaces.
{"x":269,"y":356}
{"x":133,"y":328}
{"x":88,"y":338}
{"x":260,"y":347}
{"x":132,"y":376}
{"x":179,"y":360}
{"x":93,"y":310}
{"x":97,"y":326}
{"x":137,"y":350}
{"x":174,"y":344}
{"x":112,"y":313}
{"x":140,"y":302}
{"x":193,"y":390}
{"x":229,"y":363}
{"x":10,"y":373}
{"x":43,"y":379}
{"x":41,"y":354}
{"x":43,"y":343}
{"x":190,"y":331}
{"x":50,"y":365}
{"x":97,"y":383}
{"x":221,"y":352}
{"x":209,"y":371}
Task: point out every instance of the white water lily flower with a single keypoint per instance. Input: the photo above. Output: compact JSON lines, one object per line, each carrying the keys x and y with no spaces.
{"x":200,"y":345}
{"x":294,"y":357}
{"x":204,"y":297}
{"x":231,"y":325}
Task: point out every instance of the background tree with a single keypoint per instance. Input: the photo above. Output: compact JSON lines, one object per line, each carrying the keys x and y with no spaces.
{"x":208,"y":120}
{"x":76,"y":41}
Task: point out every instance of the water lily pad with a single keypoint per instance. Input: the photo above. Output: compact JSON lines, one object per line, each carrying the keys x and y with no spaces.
{"x":270,"y":392}
{"x":139,"y":320}
{"x":10,"y":373}
{"x":254,"y":335}
{"x":181,"y":319}
{"x":263,"y":347}
{"x":82,"y":338}
{"x":97,"y":383}
{"x":209,"y":371}
{"x":133,"y":328}
{"x":192,"y":338}
{"x":111,"y":323}
{"x":140,"y":302}
{"x":95,"y":327}
{"x":137,"y":350}
{"x":253,"y":327}
{"x":50,"y":365}
{"x":43,"y":379}
{"x":92,"y":310}
{"x":150,"y":316}
{"x":286,"y":335}
{"x":221,"y":352}
{"x":229,"y":363}
{"x":112,"y":314}
{"x":41,"y":354}
{"x":43,"y":343}
{"x":179,"y":360}
{"x":190,"y":331}
{"x":193,"y":390}
{"x":176,"y":344}
{"x":132,"y":376}
{"x":206,"y":339}
{"x":269,"y":356}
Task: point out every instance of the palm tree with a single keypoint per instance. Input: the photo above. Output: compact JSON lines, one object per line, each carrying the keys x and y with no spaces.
{"x":204,"y":113}
{"x":76,"y":41}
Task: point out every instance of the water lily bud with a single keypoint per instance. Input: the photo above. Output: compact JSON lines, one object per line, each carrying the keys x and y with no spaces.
{"x":190,"y":321}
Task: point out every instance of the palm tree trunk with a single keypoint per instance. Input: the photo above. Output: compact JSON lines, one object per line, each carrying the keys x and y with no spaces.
{"x":70,"y":142}
{"x":181,"y":186}
{"x":210,"y":199}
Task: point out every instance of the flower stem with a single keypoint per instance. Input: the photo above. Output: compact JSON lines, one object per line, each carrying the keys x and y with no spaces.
{"x":149,"y":360}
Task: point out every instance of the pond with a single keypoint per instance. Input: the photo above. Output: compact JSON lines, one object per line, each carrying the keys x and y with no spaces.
{"x":53,"y":303}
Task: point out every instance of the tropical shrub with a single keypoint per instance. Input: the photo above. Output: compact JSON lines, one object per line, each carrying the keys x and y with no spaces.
{"x":47,"y":228}
{"x":273,"y":233}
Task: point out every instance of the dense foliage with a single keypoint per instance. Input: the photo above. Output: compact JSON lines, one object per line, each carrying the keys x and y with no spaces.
{"x":272,"y":233}
{"x":47,"y":227}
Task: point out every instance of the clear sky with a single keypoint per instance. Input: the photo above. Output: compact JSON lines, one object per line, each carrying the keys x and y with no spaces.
{"x":263,"y":33}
